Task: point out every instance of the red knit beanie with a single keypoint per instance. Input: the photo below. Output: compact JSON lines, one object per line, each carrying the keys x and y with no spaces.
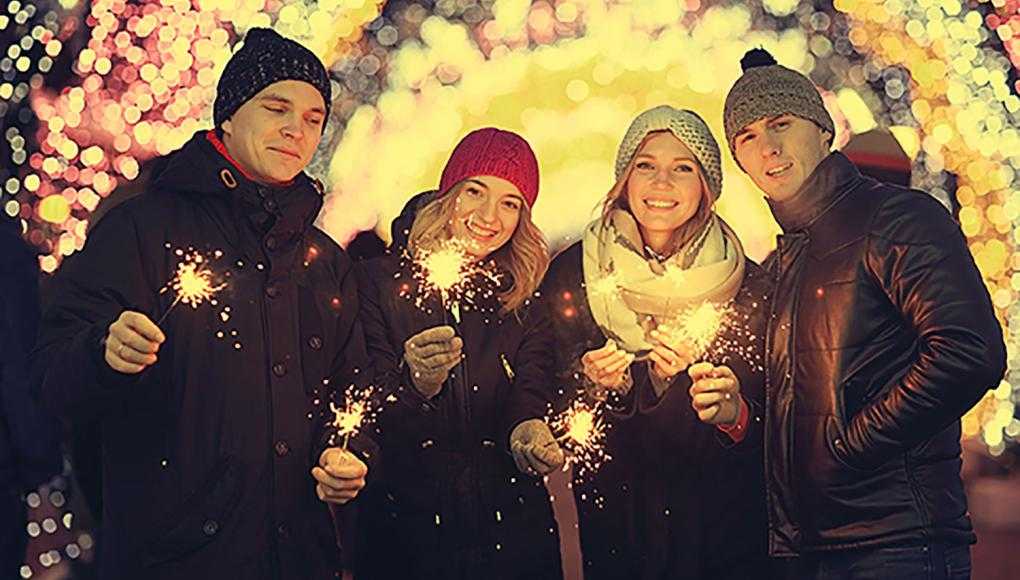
{"x":497,"y":153}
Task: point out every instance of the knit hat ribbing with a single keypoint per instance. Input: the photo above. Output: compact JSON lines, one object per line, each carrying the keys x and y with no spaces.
{"x":264,"y":59}
{"x":768,"y":89}
{"x":494,"y":152}
{"x":686,"y":126}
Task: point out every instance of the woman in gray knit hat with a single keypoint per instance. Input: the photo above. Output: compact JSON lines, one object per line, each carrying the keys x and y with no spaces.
{"x":682,"y":495}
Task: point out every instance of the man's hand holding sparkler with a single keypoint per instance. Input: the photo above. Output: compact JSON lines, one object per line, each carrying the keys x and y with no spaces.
{"x":715,"y":394}
{"x":431,"y":354}
{"x":607,"y":367}
{"x":340,"y":476}
{"x":132,"y":342}
{"x":534,"y":448}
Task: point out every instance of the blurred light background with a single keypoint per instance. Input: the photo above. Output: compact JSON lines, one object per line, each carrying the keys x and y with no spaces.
{"x":91,"y":91}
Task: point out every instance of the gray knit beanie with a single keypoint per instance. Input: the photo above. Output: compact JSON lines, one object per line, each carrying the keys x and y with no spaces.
{"x":686,"y":126}
{"x":264,"y":59}
{"x":768,"y":89}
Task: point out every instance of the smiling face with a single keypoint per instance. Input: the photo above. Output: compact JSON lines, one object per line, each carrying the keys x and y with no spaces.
{"x":779,"y":153}
{"x":273,"y":135}
{"x":664,"y":189}
{"x":486,"y":213}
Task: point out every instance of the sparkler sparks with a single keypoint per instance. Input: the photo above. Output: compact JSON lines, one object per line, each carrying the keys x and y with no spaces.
{"x":358,"y":411}
{"x":451,"y":274}
{"x":582,"y":429}
{"x":700,"y":326}
{"x":193,"y":282}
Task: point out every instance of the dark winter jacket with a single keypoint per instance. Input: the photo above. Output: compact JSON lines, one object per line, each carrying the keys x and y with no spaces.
{"x":207,"y":454}
{"x":678,"y":499}
{"x":448,"y":501}
{"x":29,"y":447}
{"x":882,"y":335}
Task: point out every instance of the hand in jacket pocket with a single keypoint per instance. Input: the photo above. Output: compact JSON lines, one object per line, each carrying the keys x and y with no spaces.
{"x":340,"y":476}
{"x":430,"y":355}
{"x":132,"y":342}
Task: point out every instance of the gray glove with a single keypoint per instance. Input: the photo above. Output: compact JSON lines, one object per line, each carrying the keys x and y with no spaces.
{"x":430,"y":355}
{"x":534,"y":448}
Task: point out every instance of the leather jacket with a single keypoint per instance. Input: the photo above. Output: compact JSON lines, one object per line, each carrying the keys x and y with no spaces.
{"x":881,"y":336}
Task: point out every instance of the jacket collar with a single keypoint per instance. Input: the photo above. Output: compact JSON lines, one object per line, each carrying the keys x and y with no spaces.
{"x":834,"y":177}
{"x":202,"y":167}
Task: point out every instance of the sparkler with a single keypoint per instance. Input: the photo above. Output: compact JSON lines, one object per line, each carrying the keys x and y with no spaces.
{"x":452,"y":274}
{"x":358,"y":411}
{"x":193,"y":282}
{"x":700,"y":326}
{"x":582,"y":431}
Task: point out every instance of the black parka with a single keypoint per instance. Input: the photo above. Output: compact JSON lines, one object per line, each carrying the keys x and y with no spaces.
{"x":678,"y":499}
{"x":882,"y":335}
{"x":207,"y":454}
{"x":448,"y":501}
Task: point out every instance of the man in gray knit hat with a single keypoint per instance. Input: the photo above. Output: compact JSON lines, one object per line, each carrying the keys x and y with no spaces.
{"x":218,"y":452}
{"x":881,"y":336}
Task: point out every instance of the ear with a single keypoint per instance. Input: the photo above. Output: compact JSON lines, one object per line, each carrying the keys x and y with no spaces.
{"x":227,"y":128}
{"x":826,"y":139}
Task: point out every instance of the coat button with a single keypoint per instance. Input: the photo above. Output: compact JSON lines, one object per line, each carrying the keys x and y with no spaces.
{"x":279,"y":369}
{"x":210,"y":527}
{"x":315,"y":343}
{"x":425,"y":407}
{"x":281,"y":530}
{"x":271,"y":242}
{"x":281,"y":448}
{"x":272,"y":291}
{"x":269,"y":205}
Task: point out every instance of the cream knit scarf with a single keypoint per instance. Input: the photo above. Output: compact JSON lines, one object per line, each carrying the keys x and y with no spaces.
{"x":630,"y":294}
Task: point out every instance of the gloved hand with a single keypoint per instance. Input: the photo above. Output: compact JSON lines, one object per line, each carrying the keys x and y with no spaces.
{"x":534,"y":448}
{"x":431,"y":354}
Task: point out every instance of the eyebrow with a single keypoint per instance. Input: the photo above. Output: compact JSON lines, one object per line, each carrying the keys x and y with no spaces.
{"x":281,"y":99}
{"x":682,"y":158}
{"x":478,"y":183}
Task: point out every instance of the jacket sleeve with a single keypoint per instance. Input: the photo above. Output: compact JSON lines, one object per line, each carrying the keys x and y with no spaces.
{"x":919,"y":257}
{"x":386,"y":359}
{"x":91,"y":289}
{"x":534,"y":391}
{"x":33,"y":434}
{"x":349,"y":368}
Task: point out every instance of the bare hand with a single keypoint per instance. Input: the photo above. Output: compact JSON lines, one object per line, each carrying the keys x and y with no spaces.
{"x":607,"y":367}
{"x":431,"y":354}
{"x":132,"y":342}
{"x":715,"y":394}
{"x":340,"y":476}
{"x":669,"y":356}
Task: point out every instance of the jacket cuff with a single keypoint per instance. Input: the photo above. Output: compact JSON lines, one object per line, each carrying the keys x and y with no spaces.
{"x":738,"y":430}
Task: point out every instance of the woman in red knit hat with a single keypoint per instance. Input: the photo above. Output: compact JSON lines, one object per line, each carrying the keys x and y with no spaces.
{"x":448,"y":501}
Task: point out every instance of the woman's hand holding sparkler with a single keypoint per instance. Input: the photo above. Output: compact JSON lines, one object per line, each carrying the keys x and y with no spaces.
{"x":534,"y":448}
{"x":715,"y":394}
{"x":670,"y":354}
{"x":340,"y":476}
{"x":607,"y":367}
{"x":132,"y":342}
{"x":431,"y":354}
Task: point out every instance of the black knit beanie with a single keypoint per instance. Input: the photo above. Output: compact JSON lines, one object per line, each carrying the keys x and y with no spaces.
{"x":264,"y":59}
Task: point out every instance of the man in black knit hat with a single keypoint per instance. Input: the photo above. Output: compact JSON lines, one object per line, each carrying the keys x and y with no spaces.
{"x":219,"y":460}
{"x":881,"y":336}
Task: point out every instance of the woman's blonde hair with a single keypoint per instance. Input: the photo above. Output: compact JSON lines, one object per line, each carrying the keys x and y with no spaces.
{"x":525,"y":255}
{"x":616,"y":198}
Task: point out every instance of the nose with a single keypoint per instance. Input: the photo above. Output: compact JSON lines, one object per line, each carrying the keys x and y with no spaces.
{"x":661,"y":176}
{"x":770,"y":146}
{"x":487,"y":212}
{"x":291,"y":128}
